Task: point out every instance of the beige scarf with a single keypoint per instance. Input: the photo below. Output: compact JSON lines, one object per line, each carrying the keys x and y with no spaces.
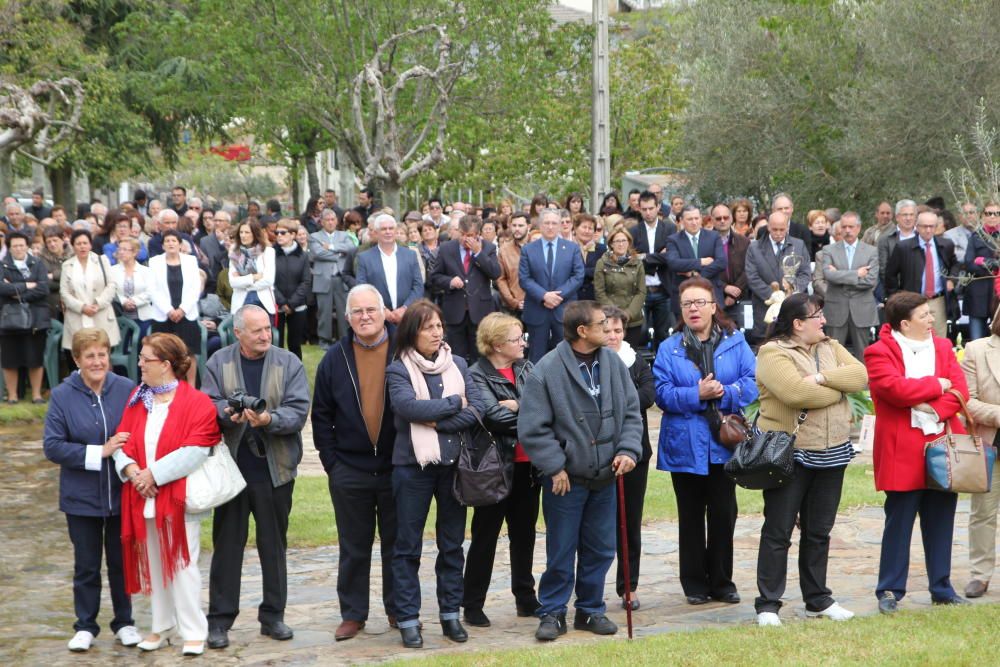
{"x":426,"y":447}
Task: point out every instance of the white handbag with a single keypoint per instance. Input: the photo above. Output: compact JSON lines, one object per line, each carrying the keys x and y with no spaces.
{"x":217,"y":481}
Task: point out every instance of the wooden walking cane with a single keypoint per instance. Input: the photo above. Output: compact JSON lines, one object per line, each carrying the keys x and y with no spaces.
{"x":623,"y":536}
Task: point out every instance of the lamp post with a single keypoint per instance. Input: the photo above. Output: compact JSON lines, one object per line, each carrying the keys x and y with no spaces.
{"x":600,"y":139}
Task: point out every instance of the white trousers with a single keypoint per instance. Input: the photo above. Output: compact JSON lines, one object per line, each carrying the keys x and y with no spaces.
{"x":179,"y":603}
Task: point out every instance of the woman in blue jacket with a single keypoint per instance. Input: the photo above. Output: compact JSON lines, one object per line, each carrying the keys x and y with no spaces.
{"x":433,"y":397}
{"x":703,"y":372}
{"x":80,"y":436}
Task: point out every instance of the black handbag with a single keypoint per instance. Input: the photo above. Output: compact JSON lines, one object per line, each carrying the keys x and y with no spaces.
{"x":15,"y":316}
{"x":764,"y":460}
{"x":481,"y":476}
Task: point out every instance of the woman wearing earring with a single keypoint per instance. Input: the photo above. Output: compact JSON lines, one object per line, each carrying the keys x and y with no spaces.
{"x":252,"y":268}
{"x":171,"y":427}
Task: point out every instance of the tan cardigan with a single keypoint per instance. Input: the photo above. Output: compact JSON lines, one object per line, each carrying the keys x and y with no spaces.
{"x":981,"y":365}
{"x":782,"y":366}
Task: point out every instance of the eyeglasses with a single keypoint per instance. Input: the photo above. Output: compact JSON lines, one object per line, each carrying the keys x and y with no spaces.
{"x":992,"y":214}
{"x":818,"y":315}
{"x":358,"y":312}
{"x":720,"y":218}
{"x":280,"y":232}
{"x":697,"y":303}
{"x":520,"y":339}
{"x":149,"y":359}
{"x":602,"y":323}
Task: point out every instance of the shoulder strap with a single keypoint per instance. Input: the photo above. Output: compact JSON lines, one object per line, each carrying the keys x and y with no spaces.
{"x":970,"y":422}
{"x":100,"y":263}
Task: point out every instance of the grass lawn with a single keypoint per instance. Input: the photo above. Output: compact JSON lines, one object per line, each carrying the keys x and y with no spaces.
{"x":311,"y":523}
{"x":956,"y":636}
{"x":25,"y":411}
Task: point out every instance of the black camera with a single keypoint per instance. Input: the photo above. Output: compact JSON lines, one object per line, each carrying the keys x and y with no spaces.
{"x":240,"y":400}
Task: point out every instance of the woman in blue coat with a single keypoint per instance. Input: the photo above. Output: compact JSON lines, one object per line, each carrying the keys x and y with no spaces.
{"x":703,"y":372}
{"x":80,"y":436}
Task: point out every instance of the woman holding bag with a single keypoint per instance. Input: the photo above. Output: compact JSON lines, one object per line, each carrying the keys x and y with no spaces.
{"x":693,"y":396}
{"x":800,"y":368}
{"x":433,"y":397}
{"x":911,"y":372}
{"x":171,"y":426}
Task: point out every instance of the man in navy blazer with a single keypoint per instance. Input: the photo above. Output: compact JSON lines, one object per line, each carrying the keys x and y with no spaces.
{"x":462,"y":273}
{"x":682,"y":262}
{"x":545,"y":291}
{"x":391,"y":269}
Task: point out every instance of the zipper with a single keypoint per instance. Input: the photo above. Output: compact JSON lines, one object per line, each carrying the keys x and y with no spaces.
{"x":104,"y":419}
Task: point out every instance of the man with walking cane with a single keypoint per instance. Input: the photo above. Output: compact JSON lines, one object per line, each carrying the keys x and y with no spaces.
{"x":581,"y":427}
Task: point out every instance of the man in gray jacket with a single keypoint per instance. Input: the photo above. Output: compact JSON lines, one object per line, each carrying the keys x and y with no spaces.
{"x":581,"y":427}
{"x":267,"y":446}
{"x":329,"y":251}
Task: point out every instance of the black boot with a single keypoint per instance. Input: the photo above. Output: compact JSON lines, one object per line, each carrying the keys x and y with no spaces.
{"x":411,"y":637}
{"x":454,"y":631}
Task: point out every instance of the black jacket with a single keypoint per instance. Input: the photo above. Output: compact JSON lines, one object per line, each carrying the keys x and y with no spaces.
{"x":339,"y":431}
{"x":499,"y":421}
{"x":292,"y":277}
{"x":645,"y":384}
{"x":906,"y":267}
{"x":13,"y":286}
{"x":589,"y":267}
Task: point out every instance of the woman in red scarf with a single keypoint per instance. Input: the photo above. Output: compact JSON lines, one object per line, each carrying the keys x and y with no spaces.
{"x":172,"y":425}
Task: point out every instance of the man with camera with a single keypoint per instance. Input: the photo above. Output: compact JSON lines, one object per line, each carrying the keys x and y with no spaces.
{"x":262,"y":397}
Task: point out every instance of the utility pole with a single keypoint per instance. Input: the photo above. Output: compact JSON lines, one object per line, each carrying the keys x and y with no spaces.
{"x":600,"y":140}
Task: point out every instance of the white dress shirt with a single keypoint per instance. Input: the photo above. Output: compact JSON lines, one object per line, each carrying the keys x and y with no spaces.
{"x":652,"y":280}
{"x":390,"y":270}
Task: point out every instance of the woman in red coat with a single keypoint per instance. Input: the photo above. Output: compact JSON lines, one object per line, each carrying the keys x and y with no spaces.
{"x":910,"y":373}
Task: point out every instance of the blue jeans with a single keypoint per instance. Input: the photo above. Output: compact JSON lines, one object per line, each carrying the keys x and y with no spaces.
{"x":937,"y":523}
{"x":658,"y":316}
{"x":413,"y":489}
{"x":978,"y":328}
{"x":580,"y":533}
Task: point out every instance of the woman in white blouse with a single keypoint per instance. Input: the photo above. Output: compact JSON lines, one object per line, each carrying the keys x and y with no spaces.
{"x":133,"y":283}
{"x":251,"y":268}
{"x":175,"y":291}
{"x":87,"y":289}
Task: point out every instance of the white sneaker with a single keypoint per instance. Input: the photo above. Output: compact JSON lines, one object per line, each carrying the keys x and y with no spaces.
{"x":129,"y":635}
{"x":80,"y":642}
{"x":834,"y":612}
{"x":768,"y":618}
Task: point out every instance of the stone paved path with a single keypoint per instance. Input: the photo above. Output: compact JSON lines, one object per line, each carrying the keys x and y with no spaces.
{"x":36,"y":606}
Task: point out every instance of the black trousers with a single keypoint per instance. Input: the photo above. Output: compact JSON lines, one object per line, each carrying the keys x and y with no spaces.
{"x":270,"y":507}
{"x":635,"y":494}
{"x":637,"y":337}
{"x":292,"y":329}
{"x":520,"y":510}
{"x":362,"y":502}
{"x":706,"y":556}
{"x":462,"y":339}
{"x":92,"y":536}
{"x":813,"y":495}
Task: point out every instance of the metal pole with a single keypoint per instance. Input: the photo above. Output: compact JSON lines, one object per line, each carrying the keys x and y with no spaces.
{"x":600,"y":146}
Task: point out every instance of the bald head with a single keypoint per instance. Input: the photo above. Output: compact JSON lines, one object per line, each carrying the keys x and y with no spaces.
{"x":777,"y":226}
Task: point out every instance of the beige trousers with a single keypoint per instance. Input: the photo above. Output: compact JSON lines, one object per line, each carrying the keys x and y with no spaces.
{"x":178,"y":604}
{"x":983,"y":529}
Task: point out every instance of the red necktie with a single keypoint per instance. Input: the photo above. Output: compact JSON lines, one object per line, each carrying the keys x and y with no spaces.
{"x":467,"y":260}
{"x":929,"y":282}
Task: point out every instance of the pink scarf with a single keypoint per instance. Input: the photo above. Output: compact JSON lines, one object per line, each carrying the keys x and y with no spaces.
{"x":426,"y":447}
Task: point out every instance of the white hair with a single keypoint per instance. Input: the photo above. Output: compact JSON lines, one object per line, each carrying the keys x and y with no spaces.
{"x":382,"y":217}
{"x":167,"y":212}
{"x":195,"y":200}
{"x":240,"y":316}
{"x":904,"y":203}
{"x":365,"y":287}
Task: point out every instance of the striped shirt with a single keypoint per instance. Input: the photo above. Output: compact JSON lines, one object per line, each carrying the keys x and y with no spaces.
{"x":832,"y":457}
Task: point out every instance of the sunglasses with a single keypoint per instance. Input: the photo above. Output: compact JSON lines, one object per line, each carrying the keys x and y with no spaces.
{"x":992,"y":214}
{"x":280,"y":232}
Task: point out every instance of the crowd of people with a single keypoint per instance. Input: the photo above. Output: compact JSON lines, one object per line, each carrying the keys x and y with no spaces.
{"x":536,"y":325}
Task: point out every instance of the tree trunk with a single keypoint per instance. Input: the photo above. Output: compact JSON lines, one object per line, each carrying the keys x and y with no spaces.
{"x":6,"y":173}
{"x":293,"y":183}
{"x":390,"y":197}
{"x":313,"y":176}
{"x":62,"y":188}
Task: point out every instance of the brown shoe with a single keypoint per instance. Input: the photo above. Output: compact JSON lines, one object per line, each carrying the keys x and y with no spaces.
{"x":348,"y":630}
{"x":976,"y":588}
{"x":392,"y":622}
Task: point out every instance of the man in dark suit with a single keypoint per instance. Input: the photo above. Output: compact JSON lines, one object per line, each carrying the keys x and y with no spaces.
{"x":782,"y":203}
{"x":462,"y":273}
{"x":214,"y":246}
{"x":764,"y":268}
{"x":908,"y":271}
{"x":391,"y":269}
{"x":550,"y":273}
{"x":734,"y":279}
{"x":694,"y":251}
{"x":649,"y":238}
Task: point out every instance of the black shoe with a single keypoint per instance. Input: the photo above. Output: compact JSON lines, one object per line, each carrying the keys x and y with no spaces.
{"x":476,"y":618}
{"x":957,"y":600}
{"x":217,"y":638}
{"x":276,"y":630}
{"x":599,"y":624}
{"x":731,"y":597}
{"x":411,"y":637}
{"x":527,"y":610}
{"x":887,"y":603}
{"x":453,"y":630}
{"x":698,"y":598}
{"x":551,"y":627}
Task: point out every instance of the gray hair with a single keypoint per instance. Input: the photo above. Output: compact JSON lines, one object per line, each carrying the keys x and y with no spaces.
{"x":195,"y":200}
{"x":382,"y":217}
{"x":365,"y":287}
{"x":14,"y":207}
{"x":223,"y":215}
{"x":542,"y":212}
{"x":327,"y":213}
{"x":780,"y":195}
{"x":904,"y":203}
{"x":850,"y":215}
{"x":166,"y":213}
{"x":240,"y":316}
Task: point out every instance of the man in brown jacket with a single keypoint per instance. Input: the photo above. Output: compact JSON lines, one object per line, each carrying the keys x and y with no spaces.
{"x":734,"y":279}
{"x":509,"y":255}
